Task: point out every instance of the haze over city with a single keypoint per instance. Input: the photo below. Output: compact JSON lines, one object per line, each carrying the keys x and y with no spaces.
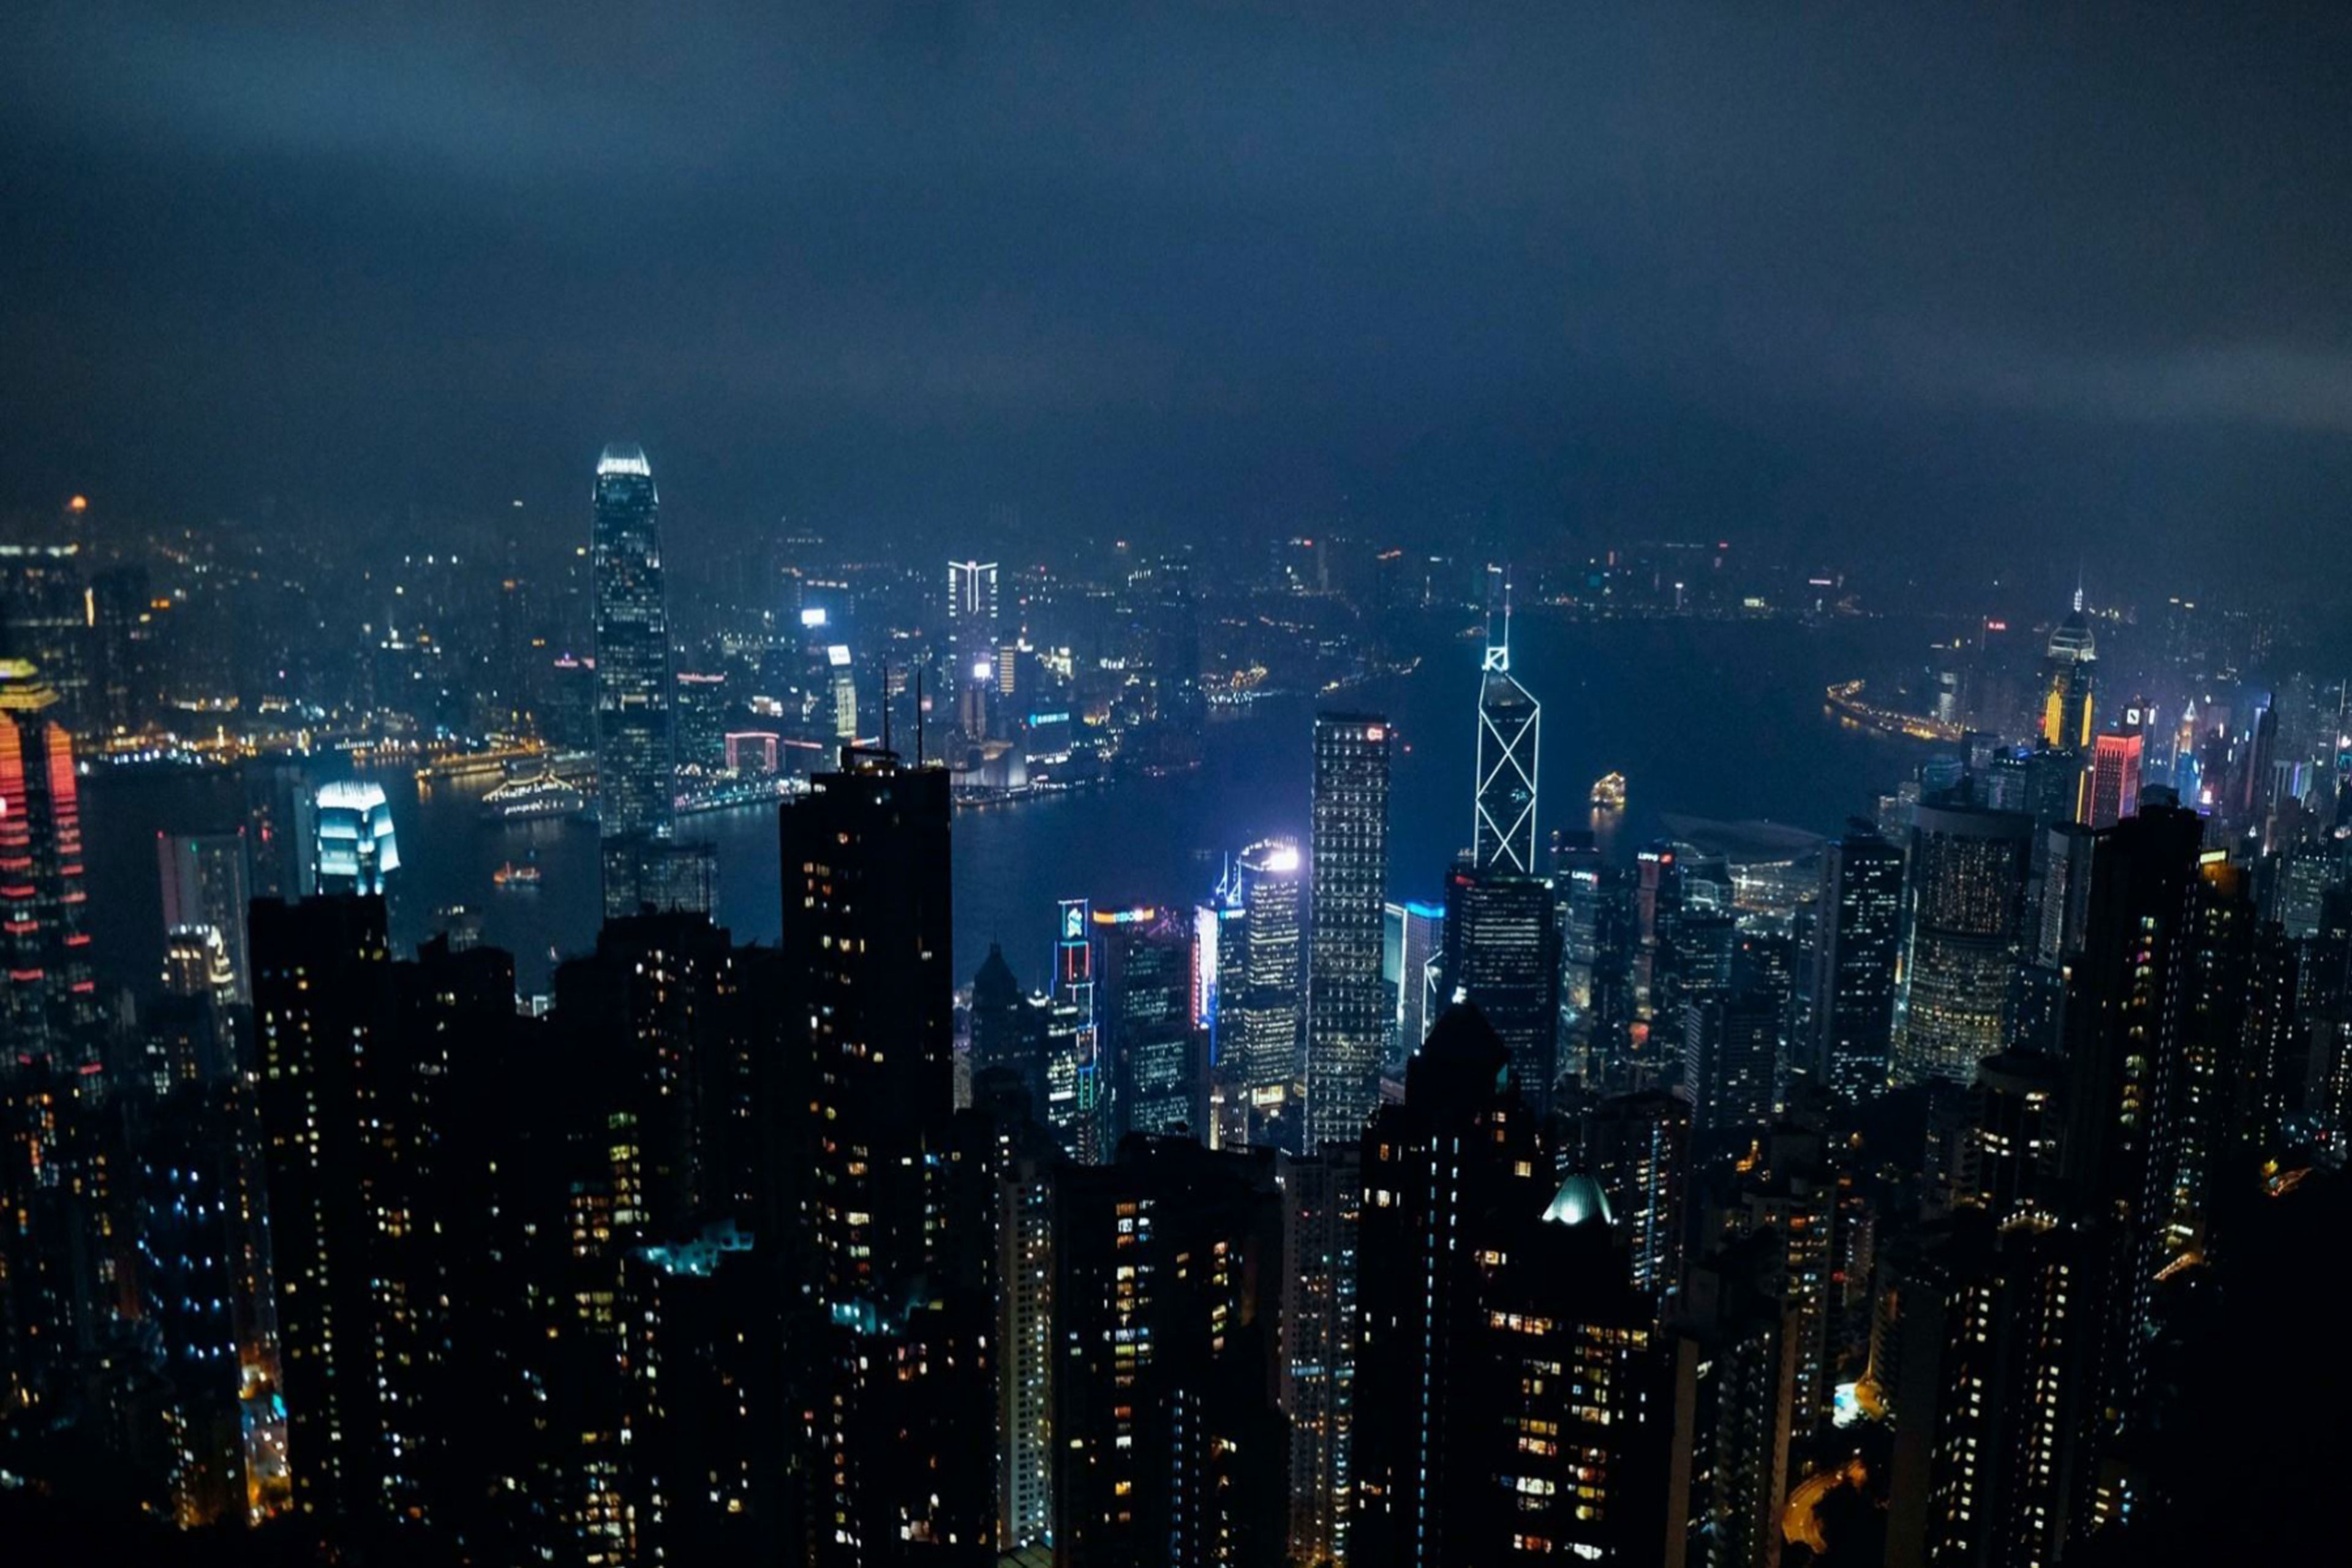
{"x":1018,"y":787}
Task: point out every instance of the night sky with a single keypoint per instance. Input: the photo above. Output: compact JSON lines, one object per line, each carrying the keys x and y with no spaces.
{"x":1984,"y":286}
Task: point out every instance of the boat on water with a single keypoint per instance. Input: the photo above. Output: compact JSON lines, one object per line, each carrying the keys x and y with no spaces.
{"x":542,"y":793}
{"x":513,"y":876}
{"x":1608,"y":792}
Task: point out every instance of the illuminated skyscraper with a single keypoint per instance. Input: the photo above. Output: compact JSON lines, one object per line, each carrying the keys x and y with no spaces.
{"x":1857,"y":941}
{"x":2110,"y":792}
{"x":1412,"y":955}
{"x":1966,"y":896}
{"x":636,"y":750}
{"x":1502,"y":955}
{"x":1637,"y":1146}
{"x":204,"y":877}
{"x":52,"y":1003}
{"x":1160,"y":1051}
{"x":357,"y":850}
{"x":1260,"y":1003}
{"x":2070,"y":681}
{"x":972,"y":620}
{"x":1503,"y":825}
{"x":1348,"y":1009}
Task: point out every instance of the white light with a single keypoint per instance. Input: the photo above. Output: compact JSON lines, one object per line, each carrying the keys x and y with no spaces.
{"x":1283,"y":860}
{"x":813,"y":617}
{"x":837,"y":655}
{"x":980,"y":669}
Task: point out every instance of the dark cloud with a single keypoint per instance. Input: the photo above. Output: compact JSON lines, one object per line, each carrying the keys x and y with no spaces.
{"x":1758,"y":265}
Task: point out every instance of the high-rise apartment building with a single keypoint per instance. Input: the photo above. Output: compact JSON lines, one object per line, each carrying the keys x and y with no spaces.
{"x":2111,"y":788}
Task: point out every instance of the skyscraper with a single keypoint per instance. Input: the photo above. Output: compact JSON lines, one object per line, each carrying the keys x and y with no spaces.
{"x":1502,"y":955}
{"x":1322,"y":1203}
{"x":1509,"y":721}
{"x":1346,"y":1011}
{"x":1501,"y":1338}
{"x":204,"y":877}
{"x":1858,"y":940}
{"x":636,"y":771}
{"x":1162,"y":1053}
{"x":898,"y":1387}
{"x":2112,"y":789}
{"x":358,"y":852}
{"x":323,"y":1023}
{"x":1966,"y":896}
{"x":1413,"y":957}
{"x":2070,"y":681}
{"x":52,"y":1003}
{"x":2127,"y":1024}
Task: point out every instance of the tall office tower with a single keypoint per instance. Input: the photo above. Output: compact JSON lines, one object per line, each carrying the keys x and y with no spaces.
{"x":1984,"y":1384}
{"x":1857,"y":942}
{"x":1576,"y":870}
{"x":2009,"y":1152}
{"x":1637,"y":1147}
{"x":1502,"y":825}
{"x":2111,"y":788}
{"x":125,"y":666}
{"x":1502,"y":955}
{"x":281,"y":828}
{"x":323,"y":1022}
{"x":2251,"y":781}
{"x":2065,"y":893}
{"x":1262,"y":1004}
{"x":1347,"y":1012}
{"x":1478,"y":1272}
{"x":1615,"y":947}
{"x":972,"y":623}
{"x":1412,"y":959}
{"x":358,"y":851}
{"x":866,"y":939}
{"x":636,"y":750}
{"x":1730,"y":1050}
{"x":1160,"y":1051}
{"x":1007,"y":1032}
{"x":1657,"y":911}
{"x":1168,"y":1291}
{"x":1322,"y":1203}
{"x":204,"y":884}
{"x":2127,"y":1024}
{"x":52,"y":994}
{"x":1967,"y":899}
{"x":2070,"y":681}
{"x":1735,"y":1343}
{"x":1077,"y":1092}
{"x":45,"y":622}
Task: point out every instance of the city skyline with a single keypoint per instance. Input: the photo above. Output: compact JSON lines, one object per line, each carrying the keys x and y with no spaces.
{"x":1375,"y":788}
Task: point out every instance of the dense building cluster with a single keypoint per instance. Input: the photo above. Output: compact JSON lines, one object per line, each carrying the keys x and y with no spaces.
{"x":1776,"y":1201}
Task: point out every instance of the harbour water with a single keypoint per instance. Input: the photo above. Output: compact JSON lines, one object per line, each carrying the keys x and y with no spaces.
{"x":1720,"y":719}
